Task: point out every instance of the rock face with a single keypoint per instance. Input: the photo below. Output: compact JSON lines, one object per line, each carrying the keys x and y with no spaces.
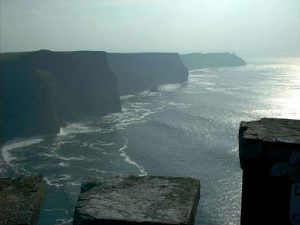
{"x":137,"y":72}
{"x":20,"y":200}
{"x":270,"y":158}
{"x":137,"y":200}
{"x":40,"y":91}
{"x":198,"y":60}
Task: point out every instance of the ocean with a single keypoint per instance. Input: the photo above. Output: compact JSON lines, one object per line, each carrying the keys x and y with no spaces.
{"x":188,"y":129}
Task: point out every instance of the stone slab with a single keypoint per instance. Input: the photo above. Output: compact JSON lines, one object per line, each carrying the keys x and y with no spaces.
{"x":270,"y":158}
{"x":275,"y":137}
{"x":20,"y":200}
{"x":129,"y":200}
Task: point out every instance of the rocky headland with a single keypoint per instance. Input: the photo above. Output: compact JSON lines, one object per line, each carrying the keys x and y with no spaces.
{"x":195,"y":61}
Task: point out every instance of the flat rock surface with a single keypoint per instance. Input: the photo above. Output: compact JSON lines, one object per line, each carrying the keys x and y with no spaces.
{"x":20,"y":200}
{"x":272,"y":130}
{"x":138,"y":200}
{"x":278,"y":138}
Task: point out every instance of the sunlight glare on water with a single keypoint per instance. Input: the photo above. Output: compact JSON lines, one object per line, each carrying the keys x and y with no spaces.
{"x":188,"y":129}
{"x":288,"y":96}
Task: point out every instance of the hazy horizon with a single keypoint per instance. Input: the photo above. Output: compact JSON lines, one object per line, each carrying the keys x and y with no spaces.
{"x":240,"y":26}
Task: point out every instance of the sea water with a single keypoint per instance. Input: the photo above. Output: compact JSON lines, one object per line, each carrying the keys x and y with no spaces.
{"x":188,"y":129}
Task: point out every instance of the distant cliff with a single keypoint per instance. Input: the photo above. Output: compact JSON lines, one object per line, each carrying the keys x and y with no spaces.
{"x":198,"y":60}
{"x":137,"y":72}
{"x":40,"y":91}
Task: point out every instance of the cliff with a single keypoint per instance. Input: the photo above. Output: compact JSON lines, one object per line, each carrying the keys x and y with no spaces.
{"x":198,"y":60}
{"x":137,"y":72}
{"x":40,"y":91}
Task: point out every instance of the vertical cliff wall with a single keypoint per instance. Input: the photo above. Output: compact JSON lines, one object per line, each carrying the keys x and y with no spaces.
{"x":140,"y":71}
{"x":28,"y":99}
{"x":39,"y":91}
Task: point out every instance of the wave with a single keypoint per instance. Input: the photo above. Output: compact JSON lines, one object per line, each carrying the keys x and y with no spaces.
{"x":57,"y":156}
{"x":64,"y":164}
{"x":64,"y":221}
{"x":128,"y":160}
{"x":7,"y":148}
{"x":130,"y":115}
{"x":96,"y":170}
{"x":95,"y":146}
{"x":169,"y":87}
{"x":200,"y":70}
{"x":77,"y":128}
{"x":61,"y":221}
{"x":125,"y":97}
{"x":235,"y":149}
{"x":178,"y":104}
{"x":57,"y":182}
{"x":107,"y":144}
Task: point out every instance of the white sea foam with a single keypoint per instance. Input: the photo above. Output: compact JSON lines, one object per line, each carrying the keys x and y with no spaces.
{"x":125,"y":97}
{"x":74,"y":183}
{"x":64,"y":221}
{"x":128,"y":160}
{"x":130,"y":115}
{"x":104,"y":131}
{"x":206,"y":83}
{"x":178,"y":104}
{"x":169,"y":87}
{"x":77,"y":128}
{"x":57,"y":156}
{"x":52,"y":183}
{"x":95,"y":146}
{"x":108,"y":144}
{"x":200,"y":76}
{"x":84,"y":144}
{"x":142,"y":103}
{"x":96,"y":170}
{"x":200,"y":70}
{"x":7,"y":148}
{"x":235,"y":149}
{"x":64,"y":164}
{"x":57,"y":181}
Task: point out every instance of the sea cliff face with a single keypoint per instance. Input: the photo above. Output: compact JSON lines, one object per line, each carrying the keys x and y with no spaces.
{"x":40,"y":91}
{"x":198,"y":60}
{"x":137,"y":72}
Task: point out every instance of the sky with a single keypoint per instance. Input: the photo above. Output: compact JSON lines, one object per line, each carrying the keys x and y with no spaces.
{"x":150,"y":25}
